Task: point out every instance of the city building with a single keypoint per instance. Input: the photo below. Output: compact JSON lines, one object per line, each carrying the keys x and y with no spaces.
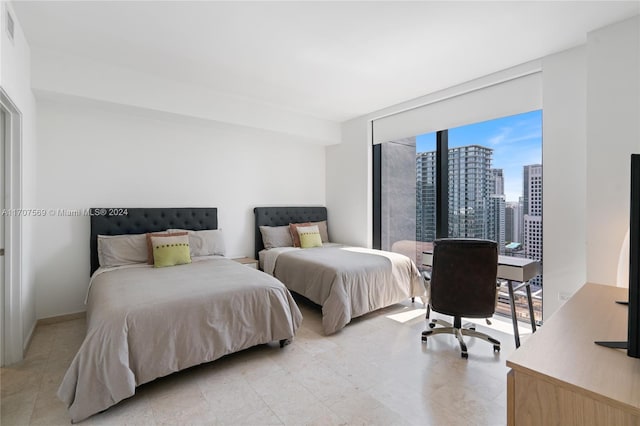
{"x":470,"y":186}
{"x":496,"y":221}
{"x":469,"y":177}
{"x":426,"y":196}
{"x":497,"y":180}
{"x":532,"y":219}
{"x":520,"y":221}
{"x":511,"y":222}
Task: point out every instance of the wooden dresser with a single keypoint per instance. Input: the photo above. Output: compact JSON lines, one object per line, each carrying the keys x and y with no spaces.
{"x":560,"y":377}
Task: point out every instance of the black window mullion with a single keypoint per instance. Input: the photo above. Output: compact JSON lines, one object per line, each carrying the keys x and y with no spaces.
{"x":377,"y":196}
{"x":442,"y":184}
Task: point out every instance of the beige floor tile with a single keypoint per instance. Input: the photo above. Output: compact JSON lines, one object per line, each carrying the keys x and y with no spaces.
{"x":470,"y":405}
{"x":182,"y":408}
{"x":41,"y":344}
{"x":175,"y":388}
{"x":405,"y":400}
{"x":276,"y":389}
{"x":16,"y":408}
{"x":358,"y":370}
{"x":323,"y":383}
{"x":19,"y":379}
{"x":51,"y":381}
{"x":302,"y":412}
{"x":375,"y":371}
{"x":49,"y":410}
{"x":131,"y":412}
{"x":263,"y":417}
{"x":232,"y":400}
{"x":364,"y":409}
{"x":314,"y":342}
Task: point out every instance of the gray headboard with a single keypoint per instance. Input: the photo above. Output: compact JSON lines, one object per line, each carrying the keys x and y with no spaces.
{"x":116,"y":221}
{"x":280,"y":216}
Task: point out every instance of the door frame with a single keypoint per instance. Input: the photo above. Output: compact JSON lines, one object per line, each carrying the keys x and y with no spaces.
{"x":12,"y":340}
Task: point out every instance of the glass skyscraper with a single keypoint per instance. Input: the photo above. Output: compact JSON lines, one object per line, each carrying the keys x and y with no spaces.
{"x":426,"y":196}
{"x":532,"y":188}
{"x":473,"y":212}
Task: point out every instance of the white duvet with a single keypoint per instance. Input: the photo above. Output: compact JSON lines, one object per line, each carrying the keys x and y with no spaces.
{"x":346,"y":281}
{"x":145,"y":322}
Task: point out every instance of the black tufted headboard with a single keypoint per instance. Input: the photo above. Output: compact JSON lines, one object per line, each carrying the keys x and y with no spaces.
{"x":116,"y":221}
{"x":280,"y":216}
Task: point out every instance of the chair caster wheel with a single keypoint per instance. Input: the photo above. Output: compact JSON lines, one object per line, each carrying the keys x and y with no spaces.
{"x":432,"y":324}
{"x":496,"y":348}
{"x":464,"y":355}
{"x":424,"y":339}
{"x":472,"y":328}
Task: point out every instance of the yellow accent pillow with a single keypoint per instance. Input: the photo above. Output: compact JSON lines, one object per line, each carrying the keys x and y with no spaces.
{"x":309,"y":236}
{"x":159,"y":234}
{"x":170,"y":251}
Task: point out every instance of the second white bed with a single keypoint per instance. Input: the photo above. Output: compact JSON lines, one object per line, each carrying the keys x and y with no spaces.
{"x":346,"y":281}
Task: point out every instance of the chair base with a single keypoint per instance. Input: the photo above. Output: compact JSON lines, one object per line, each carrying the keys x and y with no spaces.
{"x":459,"y":331}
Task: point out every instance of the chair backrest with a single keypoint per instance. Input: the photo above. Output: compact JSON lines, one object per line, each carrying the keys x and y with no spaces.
{"x":463,"y":277}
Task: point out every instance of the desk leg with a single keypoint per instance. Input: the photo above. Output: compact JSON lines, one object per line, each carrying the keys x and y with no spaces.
{"x":531,"y":314}
{"x":514,"y":318}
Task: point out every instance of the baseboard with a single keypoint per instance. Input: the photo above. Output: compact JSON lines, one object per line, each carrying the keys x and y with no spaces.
{"x":27,"y":340}
{"x":49,"y":321}
{"x":61,"y":318}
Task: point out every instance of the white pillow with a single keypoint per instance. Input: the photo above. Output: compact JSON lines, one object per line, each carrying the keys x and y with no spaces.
{"x":205,"y":242}
{"x":276,"y":236}
{"x":322,"y":227}
{"x":118,"y":250}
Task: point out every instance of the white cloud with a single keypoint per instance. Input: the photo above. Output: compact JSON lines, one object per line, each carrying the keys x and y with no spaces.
{"x":523,"y":130}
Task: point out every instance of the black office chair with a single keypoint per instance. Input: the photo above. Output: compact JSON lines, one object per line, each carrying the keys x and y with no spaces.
{"x":463,"y":284}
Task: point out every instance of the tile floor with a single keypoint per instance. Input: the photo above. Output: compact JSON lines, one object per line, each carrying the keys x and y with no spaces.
{"x":374,"y":372}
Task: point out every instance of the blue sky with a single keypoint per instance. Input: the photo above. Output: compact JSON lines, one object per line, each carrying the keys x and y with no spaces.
{"x":516,"y":141}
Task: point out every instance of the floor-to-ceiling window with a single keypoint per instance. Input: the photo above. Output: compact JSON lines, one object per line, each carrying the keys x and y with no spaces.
{"x":480,"y":180}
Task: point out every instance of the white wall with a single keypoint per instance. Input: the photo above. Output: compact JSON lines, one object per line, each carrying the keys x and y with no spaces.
{"x":15,"y":79}
{"x":564,"y":159}
{"x":585,"y":96}
{"x":613,"y":132}
{"x":94,"y":154}
{"x":55,"y":72}
{"x":349,"y":185}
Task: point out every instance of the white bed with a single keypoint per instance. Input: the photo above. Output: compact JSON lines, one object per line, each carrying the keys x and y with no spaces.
{"x":346,"y":281}
{"x":145,"y":322}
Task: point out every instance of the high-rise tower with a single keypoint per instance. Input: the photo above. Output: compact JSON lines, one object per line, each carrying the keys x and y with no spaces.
{"x":470,"y":187}
{"x":426,"y":196}
{"x":533,"y":214}
{"x":497,"y":181}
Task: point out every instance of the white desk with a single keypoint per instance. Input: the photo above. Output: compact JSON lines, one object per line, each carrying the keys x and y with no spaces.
{"x":512,"y":269}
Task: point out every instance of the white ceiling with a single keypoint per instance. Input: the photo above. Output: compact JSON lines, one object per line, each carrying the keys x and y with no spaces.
{"x":330,"y":60}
